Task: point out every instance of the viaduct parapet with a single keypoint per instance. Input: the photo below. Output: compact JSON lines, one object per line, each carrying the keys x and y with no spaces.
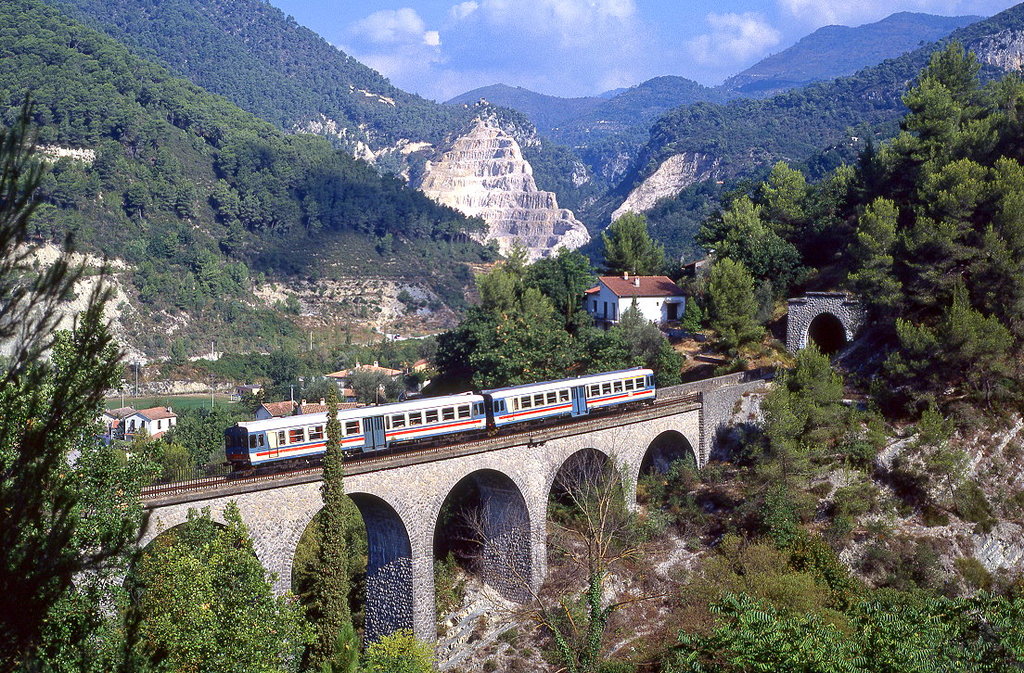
{"x":401,"y":498}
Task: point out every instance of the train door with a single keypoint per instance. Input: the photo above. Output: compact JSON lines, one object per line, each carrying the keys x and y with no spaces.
{"x":273,"y":450}
{"x":375,"y":437}
{"x":579,"y":401}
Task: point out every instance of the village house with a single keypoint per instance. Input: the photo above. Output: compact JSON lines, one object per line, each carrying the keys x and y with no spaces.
{"x":659,"y":299}
{"x":113,"y":422}
{"x":290,"y":408}
{"x":343,"y":378}
{"x":155,"y":421}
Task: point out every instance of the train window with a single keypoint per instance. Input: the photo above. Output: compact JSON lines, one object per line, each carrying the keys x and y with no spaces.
{"x":627,"y":385}
{"x":464,"y":411}
{"x":398,"y":421}
{"x":526,"y":402}
{"x":252,"y":441}
{"x":448,"y":414}
{"x":538,"y":400}
{"x":316,"y":432}
{"x":552,"y":397}
{"x":430,"y":416}
{"x":415,"y":418}
{"x":606,"y":388}
{"x":617,"y":387}
{"x":351,"y":428}
{"x":478,"y":409}
{"x":296,"y":435}
{"x":639,"y":383}
{"x":262,"y":442}
{"x":280,"y":438}
{"x":563,"y":395}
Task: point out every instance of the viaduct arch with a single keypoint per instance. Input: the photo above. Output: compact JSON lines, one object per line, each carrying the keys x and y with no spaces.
{"x":401,"y":503}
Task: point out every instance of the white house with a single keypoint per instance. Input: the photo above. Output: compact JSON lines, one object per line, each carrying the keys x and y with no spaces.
{"x":658,"y":298}
{"x":155,"y":421}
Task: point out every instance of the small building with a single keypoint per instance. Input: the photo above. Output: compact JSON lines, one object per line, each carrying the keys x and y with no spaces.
{"x":113,"y":422}
{"x":659,"y":299}
{"x":241,"y":391}
{"x":155,"y":421}
{"x":289,"y":408}
{"x":343,"y":378}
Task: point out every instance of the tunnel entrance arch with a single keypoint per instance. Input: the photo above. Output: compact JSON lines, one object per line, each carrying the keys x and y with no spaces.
{"x":844,"y":316}
{"x":827,"y":333}
{"x":484,"y":524}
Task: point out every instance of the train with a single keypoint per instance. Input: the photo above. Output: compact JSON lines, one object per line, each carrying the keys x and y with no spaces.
{"x":432,"y":420}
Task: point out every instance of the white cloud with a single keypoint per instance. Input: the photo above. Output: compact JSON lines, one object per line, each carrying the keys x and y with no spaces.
{"x":571,"y":21}
{"x":734,"y":38}
{"x":463,"y":9}
{"x":391,"y":26}
{"x":395,"y":42}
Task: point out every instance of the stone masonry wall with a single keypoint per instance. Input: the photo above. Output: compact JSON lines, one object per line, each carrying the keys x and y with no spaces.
{"x":803,"y":310}
{"x":401,"y":506}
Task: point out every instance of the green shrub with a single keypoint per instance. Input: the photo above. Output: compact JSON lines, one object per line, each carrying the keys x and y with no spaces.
{"x":973,"y":573}
{"x":972,"y":505}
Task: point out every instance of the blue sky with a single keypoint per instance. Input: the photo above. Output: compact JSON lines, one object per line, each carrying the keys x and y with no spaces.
{"x":441,"y":48}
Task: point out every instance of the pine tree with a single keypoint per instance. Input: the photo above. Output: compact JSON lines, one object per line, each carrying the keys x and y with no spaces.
{"x":335,"y":649}
{"x":628,"y":247}
{"x":732,"y":306}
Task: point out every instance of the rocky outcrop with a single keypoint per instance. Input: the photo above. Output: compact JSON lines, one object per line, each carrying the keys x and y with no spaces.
{"x":673,"y":176}
{"x":1004,"y":50}
{"x":484,"y":174}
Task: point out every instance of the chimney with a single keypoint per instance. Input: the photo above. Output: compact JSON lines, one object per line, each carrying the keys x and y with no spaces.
{"x":302,"y":404}
{"x":625,"y":275}
{"x":636,"y":282}
{"x":322,"y":401}
{"x":376,"y":364}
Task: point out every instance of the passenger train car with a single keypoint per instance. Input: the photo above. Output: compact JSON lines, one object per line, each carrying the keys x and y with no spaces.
{"x":415,"y":422}
{"x":568,"y":397}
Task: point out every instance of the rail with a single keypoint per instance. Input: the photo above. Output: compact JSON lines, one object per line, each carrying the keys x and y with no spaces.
{"x":184,"y":491}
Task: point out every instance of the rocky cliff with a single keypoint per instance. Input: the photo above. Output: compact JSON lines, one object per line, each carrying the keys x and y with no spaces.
{"x":1004,"y":50}
{"x":673,"y":176}
{"x":483,"y":174}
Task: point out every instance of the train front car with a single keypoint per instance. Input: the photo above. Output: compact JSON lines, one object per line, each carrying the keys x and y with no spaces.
{"x":289,"y":438}
{"x":573,"y":397}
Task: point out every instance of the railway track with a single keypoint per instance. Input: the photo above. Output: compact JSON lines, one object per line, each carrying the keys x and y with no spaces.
{"x":160,"y":493}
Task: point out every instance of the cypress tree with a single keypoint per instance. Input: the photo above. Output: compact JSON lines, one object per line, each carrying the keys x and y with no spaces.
{"x":335,"y":649}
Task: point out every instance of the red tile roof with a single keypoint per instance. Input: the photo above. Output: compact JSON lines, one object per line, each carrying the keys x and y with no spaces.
{"x":345,"y":373}
{"x":157,"y":413}
{"x":648,"y":286}
{"x":279,"y":408}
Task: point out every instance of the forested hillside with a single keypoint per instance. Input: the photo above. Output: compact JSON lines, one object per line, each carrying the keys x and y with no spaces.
{"x":263,"y":61}
{"x":836,"y":51}
{"x":199,"y":197}
{"x":816,"y":127}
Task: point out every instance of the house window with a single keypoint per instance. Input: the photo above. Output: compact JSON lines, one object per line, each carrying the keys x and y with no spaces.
{"x":159,"y":424}
{"x":595,"y":307}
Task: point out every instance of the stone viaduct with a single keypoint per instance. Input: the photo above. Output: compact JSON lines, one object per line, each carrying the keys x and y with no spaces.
{"x":401,"y":498}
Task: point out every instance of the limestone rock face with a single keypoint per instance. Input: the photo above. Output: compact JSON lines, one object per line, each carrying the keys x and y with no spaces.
{"x":673,"y":176}
{"x":1004,"y":50}
{"x":484,"y":174}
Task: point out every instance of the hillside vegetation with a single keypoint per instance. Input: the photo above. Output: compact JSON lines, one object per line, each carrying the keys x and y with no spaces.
{"x":196,"y":195}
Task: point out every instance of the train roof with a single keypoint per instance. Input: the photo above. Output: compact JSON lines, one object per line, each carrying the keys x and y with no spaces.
{"x":361,"y":412}
{"x":575,"y":380}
